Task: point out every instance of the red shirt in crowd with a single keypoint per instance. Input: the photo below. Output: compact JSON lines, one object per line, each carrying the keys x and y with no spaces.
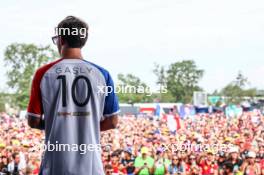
{"x":208,"y":169}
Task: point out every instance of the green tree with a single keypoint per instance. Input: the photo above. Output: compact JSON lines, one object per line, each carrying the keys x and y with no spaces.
{"x":236,"y":90}
{"x":132,"y":89}
{"x":163,"y":95}
{"x":182,"y":80}
{"x":233,"y":92}
{"x":6,"y":98}
{"x":241,"y":81}
{"x":215,"y":93}
{"x":160,"y":72}
{"x":21,"y":61}
{"x":252,"y":92}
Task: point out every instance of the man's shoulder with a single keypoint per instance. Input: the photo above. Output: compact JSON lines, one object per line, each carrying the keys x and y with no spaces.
{"x":100,"y":68}
{"x":43,"y":69}
{"x":105,"y":73}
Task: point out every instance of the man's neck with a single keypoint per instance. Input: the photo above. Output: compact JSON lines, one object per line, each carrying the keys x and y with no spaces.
{"x":71,"y":53}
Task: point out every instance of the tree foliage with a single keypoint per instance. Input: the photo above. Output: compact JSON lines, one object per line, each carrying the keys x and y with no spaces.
{"x":163,"y":95}
{"x":132,"y":90}
{"x":182,"y":80}
{"x":21,"y":61}
{"x":236,"y":90}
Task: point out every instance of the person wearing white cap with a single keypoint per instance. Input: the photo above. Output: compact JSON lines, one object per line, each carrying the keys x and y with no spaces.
{"x":234,"y":161}
{"x":250,"y":167}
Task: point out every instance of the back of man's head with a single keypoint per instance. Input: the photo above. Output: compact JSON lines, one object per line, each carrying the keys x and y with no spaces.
{"x":73,"y":31}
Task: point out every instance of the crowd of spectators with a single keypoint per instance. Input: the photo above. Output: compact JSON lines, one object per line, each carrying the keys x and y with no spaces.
{"x":18,"y":143}
{"x":205,"y":144}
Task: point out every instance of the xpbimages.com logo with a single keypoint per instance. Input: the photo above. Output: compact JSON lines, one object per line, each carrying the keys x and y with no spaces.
{"x":127,"y":89}
{"x":82,"y":32}
{"x":66,"y":147}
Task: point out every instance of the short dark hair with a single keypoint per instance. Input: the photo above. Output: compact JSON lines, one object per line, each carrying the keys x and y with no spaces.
{"x":14,"y":155}
{"x":73,"y":23}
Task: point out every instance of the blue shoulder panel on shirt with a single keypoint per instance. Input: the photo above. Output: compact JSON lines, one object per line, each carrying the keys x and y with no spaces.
{"x":111,"y":102}
{"x":102,"y":70}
